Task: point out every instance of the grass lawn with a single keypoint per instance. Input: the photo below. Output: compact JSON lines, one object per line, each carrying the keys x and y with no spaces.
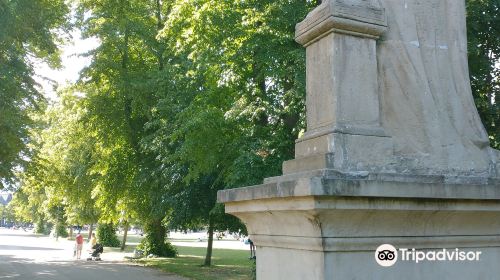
{"x":128,"y":249}
{"x":226,"y":264}
{"x":131,"y":238}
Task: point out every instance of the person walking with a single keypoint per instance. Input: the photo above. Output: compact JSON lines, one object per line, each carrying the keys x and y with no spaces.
{"x":79,"y":245}
{"x":252,"y":249}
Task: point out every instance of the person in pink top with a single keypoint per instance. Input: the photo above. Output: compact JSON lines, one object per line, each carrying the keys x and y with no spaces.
{"x":79,"y":245}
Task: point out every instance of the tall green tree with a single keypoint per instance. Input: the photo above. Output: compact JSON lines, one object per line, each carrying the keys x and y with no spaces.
{"x":29,"y":30}
{"x":119,"y":86}
{"x":234,"y":101}
{"x":247,"y":103}
{"x":57,"y":184}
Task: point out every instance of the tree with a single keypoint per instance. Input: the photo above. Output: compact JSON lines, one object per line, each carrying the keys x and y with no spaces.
{"x":483,"y":21}
{"x":7,"y":215}
{"x":194,"y":207}
{"x":123,"y":73}
{"x":57,"y":184}
{"x":29,"y":30}
{"x":234,"y":101}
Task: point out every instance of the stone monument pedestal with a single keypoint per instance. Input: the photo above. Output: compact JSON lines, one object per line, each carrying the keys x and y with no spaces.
{"x":328,"y":225}
{"x":430,"y":190}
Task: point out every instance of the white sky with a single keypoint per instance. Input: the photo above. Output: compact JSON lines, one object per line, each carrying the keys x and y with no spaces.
{"x":72,"y":64}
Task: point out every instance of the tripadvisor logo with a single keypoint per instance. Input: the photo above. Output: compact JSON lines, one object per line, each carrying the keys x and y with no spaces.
{"x":387,"y":255}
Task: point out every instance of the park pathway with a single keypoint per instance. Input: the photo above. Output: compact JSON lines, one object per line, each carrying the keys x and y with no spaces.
{"x":24,"y":256}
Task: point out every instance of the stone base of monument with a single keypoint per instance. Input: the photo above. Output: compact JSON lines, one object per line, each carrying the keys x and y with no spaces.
{"x":325,"y":224}
{"x":376,"y":117}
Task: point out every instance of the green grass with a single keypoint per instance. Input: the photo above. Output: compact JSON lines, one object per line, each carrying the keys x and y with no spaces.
{"x":128,"y":249}
{"x":226,"y":264}
{"x":131,"y":238}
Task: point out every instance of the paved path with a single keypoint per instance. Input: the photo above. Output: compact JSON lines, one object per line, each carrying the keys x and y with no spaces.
{"x":24,"y":256}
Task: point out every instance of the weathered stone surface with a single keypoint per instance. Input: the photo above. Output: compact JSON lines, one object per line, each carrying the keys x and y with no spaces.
{"x":343,"y":108}
{"x":427,"y":105}
{"x":394,"y":151}
{"x":324,"y":224}
{"x":342,"y":71}
{"x":343,"y":151}
{"x":411,"y":85}
{"x":328,"y":182}
{"x":364,"y":18}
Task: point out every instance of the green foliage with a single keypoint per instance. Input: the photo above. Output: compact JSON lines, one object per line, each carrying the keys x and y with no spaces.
{"x":106,"y":235}
{"x":483,"y":20}
{"x":29,"y":30}
{"x":57,"y":183}
{"x":233,"y":105}
{"x":154,"y":242}
{"x":42,"y":227}
{"x":149,"y":246}
{"x":61,"y":230}
{"x":7,"y":213}
{"x":246,"y":87}
{"x":228,"y":264}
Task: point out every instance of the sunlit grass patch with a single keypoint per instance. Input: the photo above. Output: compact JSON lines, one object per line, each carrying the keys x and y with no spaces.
{"x":226,"y":264}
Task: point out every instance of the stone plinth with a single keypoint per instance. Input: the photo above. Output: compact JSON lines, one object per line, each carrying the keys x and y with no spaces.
{"x":343,"y":107}
{"x":327,"y":225}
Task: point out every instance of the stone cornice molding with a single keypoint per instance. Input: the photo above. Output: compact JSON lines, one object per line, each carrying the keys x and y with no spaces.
{"x":355,"y":17}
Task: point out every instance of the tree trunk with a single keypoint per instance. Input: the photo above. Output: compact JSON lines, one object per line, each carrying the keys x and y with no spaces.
{"x":125,"y":232}
{"x":70,"y":233}
{"x":159,"y":232}
{"x":159,"y":26}
{"x":208,"y":257}
{"x":91,"y":228}
{"x":155,"y":234}
{"x":56,"y":229}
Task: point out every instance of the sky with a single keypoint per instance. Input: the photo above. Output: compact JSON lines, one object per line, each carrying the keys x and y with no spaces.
{"x":72,"y":64}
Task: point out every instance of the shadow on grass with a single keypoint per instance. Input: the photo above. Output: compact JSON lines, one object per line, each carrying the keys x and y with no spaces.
{"x":226,"y":264}
{"x":128,"y":249}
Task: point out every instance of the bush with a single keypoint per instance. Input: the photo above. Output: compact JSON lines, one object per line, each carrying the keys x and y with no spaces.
{"x":61,"y":231}
{"x":161,"y":250}
{"x":43,"y":228}
{"x":106,"y":235}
